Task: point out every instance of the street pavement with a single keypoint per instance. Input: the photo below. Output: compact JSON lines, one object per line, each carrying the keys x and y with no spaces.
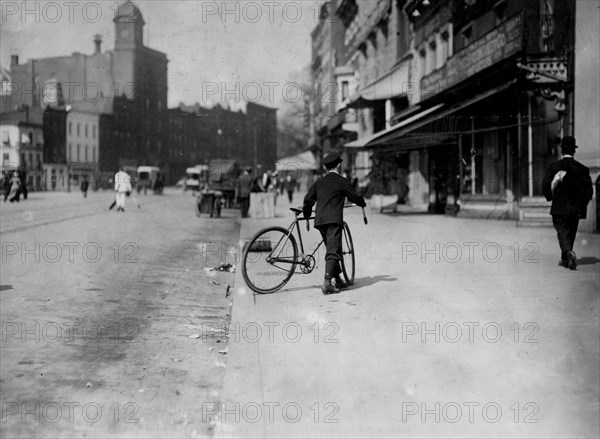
{"x":105,"y":315}
{"x":454,"y":327}
{"x":113,"y":325}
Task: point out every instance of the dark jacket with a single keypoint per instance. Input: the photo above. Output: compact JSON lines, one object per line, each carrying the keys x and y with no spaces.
{"x":572,"y":195}
{"x":244,"y":185}
{"x":329,"y":193}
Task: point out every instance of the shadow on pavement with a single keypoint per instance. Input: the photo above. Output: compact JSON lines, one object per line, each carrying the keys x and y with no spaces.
{"x":367,"y":281}
{"x":588,"y":260}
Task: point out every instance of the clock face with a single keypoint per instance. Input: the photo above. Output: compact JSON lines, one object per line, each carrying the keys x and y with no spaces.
{"x":125,"y":33}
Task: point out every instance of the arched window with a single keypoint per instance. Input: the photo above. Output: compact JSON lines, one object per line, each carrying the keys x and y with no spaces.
{"x":78,"y":148}
{"x":86,"y":153}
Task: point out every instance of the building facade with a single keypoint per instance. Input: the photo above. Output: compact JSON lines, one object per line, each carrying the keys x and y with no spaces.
{"x":22,"y":137}
{"x":246,"y":132}
{"x":82,"y":146}
{"x":114,"y":107}
{"x":471,"y":104}
{"x":129,"y":83}
{"x":587,"y":101}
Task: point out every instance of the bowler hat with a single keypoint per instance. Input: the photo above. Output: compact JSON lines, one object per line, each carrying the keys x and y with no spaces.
{"x":331,"y":159}
{"x":568,"y":142}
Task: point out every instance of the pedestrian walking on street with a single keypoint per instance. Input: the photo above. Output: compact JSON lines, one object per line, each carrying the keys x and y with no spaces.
{"x":290,"y":187}
{"x":243,"y":188}
{"x":14,"y":189}
{"x":329,"y":193}
{"x":22,"y":174}
{"x":122,"y":187}
{"x":568,"y":185}
{"x":85,"y":184}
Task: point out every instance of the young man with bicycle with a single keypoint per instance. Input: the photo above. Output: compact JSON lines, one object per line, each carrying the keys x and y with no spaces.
{"x":329,"y":193}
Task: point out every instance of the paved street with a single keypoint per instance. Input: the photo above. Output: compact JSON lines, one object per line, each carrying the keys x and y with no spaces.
{"x":454,"y":327}
{"x":97,"y":311}
{"x":112,"y":326}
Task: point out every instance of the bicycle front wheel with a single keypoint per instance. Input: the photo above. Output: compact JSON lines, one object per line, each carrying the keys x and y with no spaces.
{"x":269,"y":260}
{"x":347,"y":255}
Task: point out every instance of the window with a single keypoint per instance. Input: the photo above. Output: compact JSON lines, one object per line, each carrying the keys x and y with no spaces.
{"x":86,"y":130}
{"x":86,"y":153}
{"x":431,"y":56}
{"x":78,"y":148}
{"x":500,"y":11}
{"x":5,"y":157}
{"x":70,"y":128}
{"x":94,"y":155}
{"x":423,"y":62}
{"x":466,"y":35}
{"x":78,"y":130}
{"x":345,"y":90}
{"x":443,"y":49}
{"x":403,"y":34}
{"x":94,"y":132}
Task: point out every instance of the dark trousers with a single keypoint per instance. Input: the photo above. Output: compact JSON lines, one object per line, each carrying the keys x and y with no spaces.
{"x":290,"y":196}
{"x":332,"y":235}
{"x":244,"y":206}
{"x":566,"y":229}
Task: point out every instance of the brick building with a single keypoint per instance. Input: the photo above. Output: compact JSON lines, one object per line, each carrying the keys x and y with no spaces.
{"x":122,"y":95}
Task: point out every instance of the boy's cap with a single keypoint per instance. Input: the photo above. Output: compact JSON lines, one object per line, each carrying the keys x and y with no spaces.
{"x":331,"y":159}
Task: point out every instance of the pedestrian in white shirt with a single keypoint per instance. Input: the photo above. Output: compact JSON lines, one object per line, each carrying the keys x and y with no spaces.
{"x":122,"y":187}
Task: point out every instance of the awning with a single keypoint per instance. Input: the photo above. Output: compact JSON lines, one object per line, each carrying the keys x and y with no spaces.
{"x":392,"y":85}
{"x":394,"y":134}
{"x":304,"y":161}
{"x":368,"y":140}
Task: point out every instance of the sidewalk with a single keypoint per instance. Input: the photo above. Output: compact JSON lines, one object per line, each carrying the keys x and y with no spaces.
{"x":454,"y":327}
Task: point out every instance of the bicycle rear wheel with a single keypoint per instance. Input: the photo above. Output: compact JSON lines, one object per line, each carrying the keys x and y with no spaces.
{"x":347,"y":260}
{"x":269,"y":260}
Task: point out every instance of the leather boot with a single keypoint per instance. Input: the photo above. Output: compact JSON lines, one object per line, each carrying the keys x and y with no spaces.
{"x":328,"y":287}
{"x":339,"y":283}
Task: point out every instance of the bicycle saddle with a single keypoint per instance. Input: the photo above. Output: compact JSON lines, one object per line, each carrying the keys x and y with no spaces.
{"x":296,"y":210}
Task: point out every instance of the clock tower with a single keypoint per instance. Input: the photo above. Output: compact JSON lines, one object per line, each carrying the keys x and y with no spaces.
{"x":129,"y":26}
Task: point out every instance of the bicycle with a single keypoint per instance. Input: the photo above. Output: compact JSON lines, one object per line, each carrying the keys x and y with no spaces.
{"x":270,"y":258}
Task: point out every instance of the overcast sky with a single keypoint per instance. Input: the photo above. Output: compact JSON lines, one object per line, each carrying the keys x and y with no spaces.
{"x":206,"y":42}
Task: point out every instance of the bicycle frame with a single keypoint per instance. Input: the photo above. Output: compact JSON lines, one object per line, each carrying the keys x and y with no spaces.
{"x":302,"y":257}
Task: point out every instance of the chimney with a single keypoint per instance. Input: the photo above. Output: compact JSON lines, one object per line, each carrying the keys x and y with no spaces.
{"x":14,"y":60}
{"x":97,"y":43}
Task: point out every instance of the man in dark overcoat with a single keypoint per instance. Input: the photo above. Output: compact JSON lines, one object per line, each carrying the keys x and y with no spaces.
{"x":568,"y":185}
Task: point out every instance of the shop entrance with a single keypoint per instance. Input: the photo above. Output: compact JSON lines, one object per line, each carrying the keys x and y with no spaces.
{"x":442,"y":176}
